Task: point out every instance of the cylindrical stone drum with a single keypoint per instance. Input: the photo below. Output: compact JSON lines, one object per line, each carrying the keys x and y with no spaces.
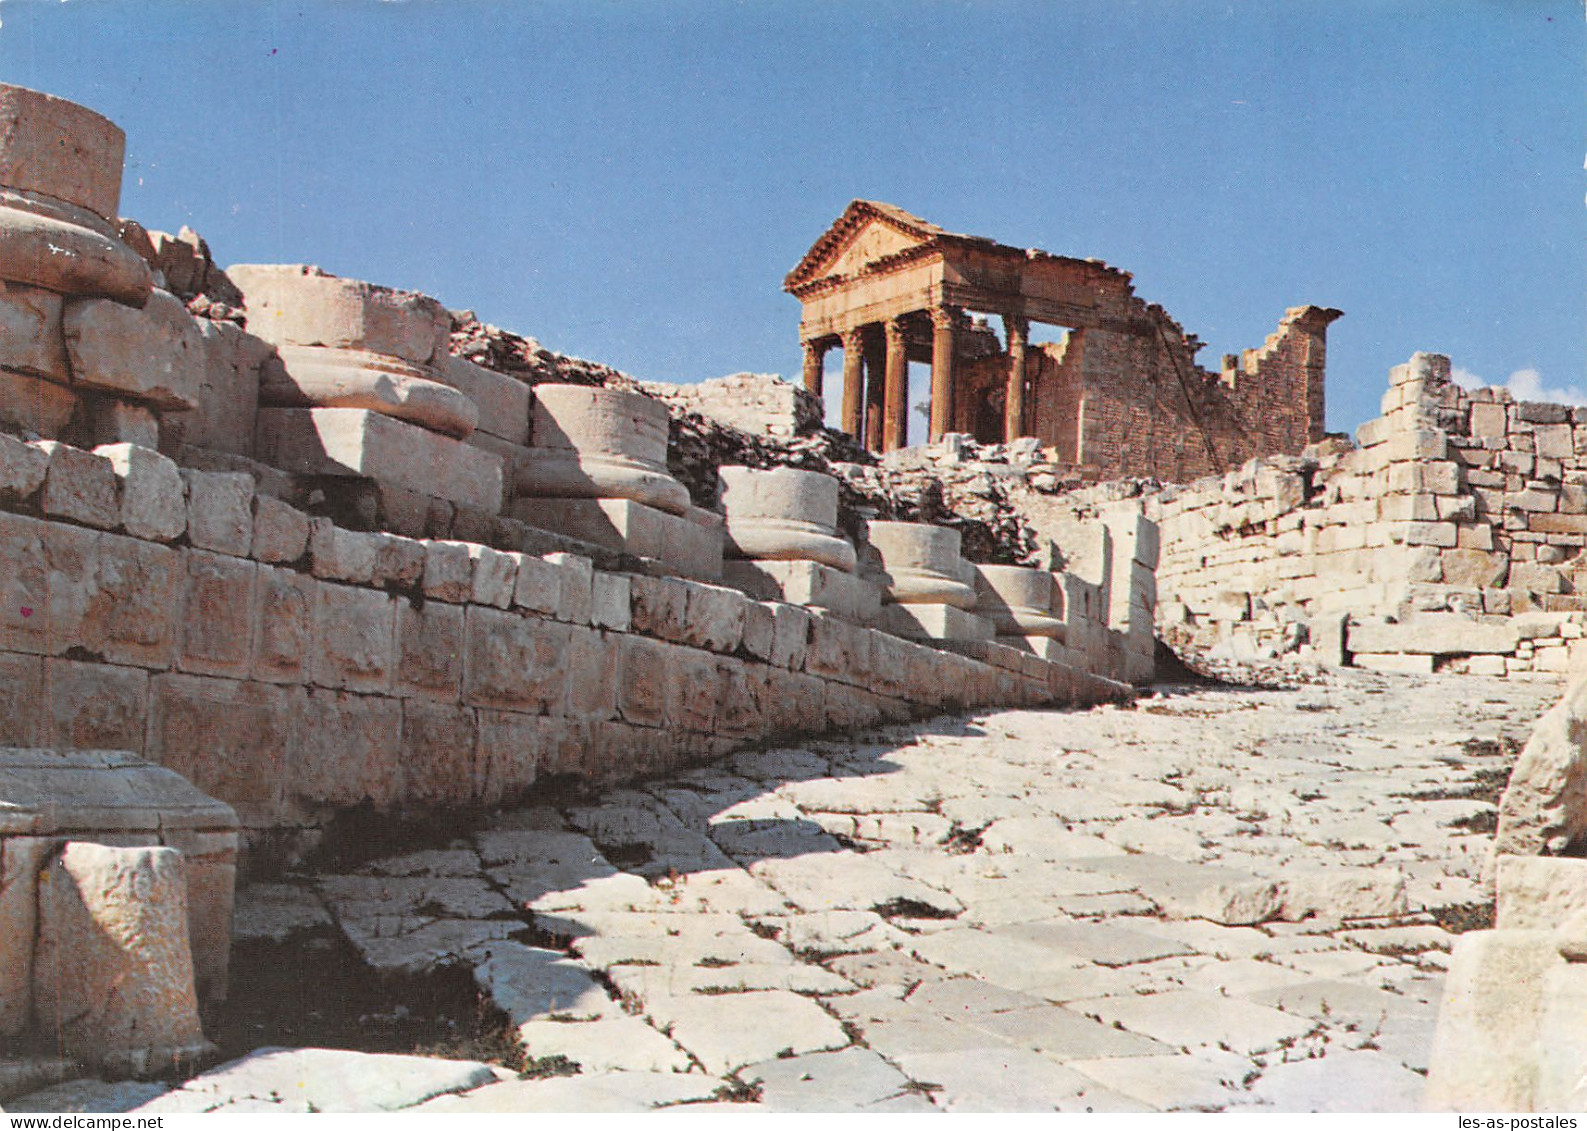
{"x":593,"y":443}
{"x":1019,"y":601}
{"x":920,"y":564}
{"x":783,"y":515}
{"x":297,"y":305}
{"x":319,"y":377}
{"x":60,"y":186}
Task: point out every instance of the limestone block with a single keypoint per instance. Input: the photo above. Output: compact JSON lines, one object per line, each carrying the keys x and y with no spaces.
{"x":578,"y":587}
{"x":917,"y":563}
{"x":80,"y":486}
{"x":1538,"y":893}
{"x":153,"y":503}
{"x":448,"y":571}
{"x":1562,"y":1042}
{"x":1394,"y":662}
{"x":1488,"y":421}
{"x":22,"y":468}
{"x":429,"y":650}
{"x":30,"y":333}
{"x":230,"y":738}
{"x":438,"y":741}
{"x":60,"y":185}
{"x":539,"y":585}
{"x":304,"y":306}
{"x":1474,"y":569}
{"x":713,"y":618}
{"x":155,"y":355}
{"x":219,"y":604}
{"x":227,"y":391}
{"x":315,"y":376}
{"x":117,"y":918}
{"x":611,"y":599}
{"x":592,"y":675}
{"x":643,"y":687}
{"x":112,"y":421}
{"x":356,"y":442}
{"x":933,"y":622}
{"x":1486,"y":1050}
{"x":353,"y":638}
{"x":838,"y":650}
{"x":220,"y":510}
{"x":514,"y":662}
{"x":280,"y":531}
{"x":1019,"y":601}
{"x":21,"y":860}
{"x":683,"y":546}
{"x":807,"y":583}
{"x":783,"y":515}
{"x":348,"y":751}
{"x":657,"y":606}
{"x":502,"y":401}
{"x":284,"y":621}
{"x":1544,"y":807}
{"x":1434,"y":634}
{"x":595,"y":443}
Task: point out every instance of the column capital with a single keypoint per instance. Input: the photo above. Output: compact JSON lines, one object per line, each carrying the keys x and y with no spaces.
{"x":853,"y":338}
{"x":894,"y":329}
{"x":1016,"y":326}
{"x":945,"y":317}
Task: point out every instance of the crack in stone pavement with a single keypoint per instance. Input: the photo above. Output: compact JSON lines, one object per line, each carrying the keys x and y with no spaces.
{"x":1217,"y":899}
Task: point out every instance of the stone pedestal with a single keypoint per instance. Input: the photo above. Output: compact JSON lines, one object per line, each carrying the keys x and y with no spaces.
{"x":1020,"y":602}
{"x":49,"y":797}
{"x":783,"y":515}
{"x":593,"y":443}
{"x":917,"y":563}
{"x":933,"y":622}
{"x":807,"y":583}
{"x":688,"y":544}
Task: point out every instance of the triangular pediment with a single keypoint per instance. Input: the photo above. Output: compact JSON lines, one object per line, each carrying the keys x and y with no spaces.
{"x":867,"y":231}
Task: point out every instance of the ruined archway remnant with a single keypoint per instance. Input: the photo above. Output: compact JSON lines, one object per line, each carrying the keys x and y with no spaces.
{"x":1122,"y":392}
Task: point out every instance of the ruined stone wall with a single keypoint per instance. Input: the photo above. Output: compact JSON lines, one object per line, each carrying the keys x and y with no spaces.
{"x":1450,"y":538}
{"x":757,"y":403}
{"x":1135,"y":403}
{"x":294,"y":668}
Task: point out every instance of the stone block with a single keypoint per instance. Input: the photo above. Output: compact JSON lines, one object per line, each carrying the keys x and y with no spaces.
{"x":1538,"y":893}
{"x":917,"y":562}
{"x":578,"y":587}
{"x":539,"y":585}
{"x":356,"y":442}
{"x":320,"y":377}
{"x":807,"y":583}
{"x":682,"y":546}
{"x":507,"y":755}
{"x":838,"y":650}
{"x":643,"y":684}
{"x":783,"y":514}
{"x":155,"y":355}
{"x":610,"y":601}
{"x":1485,"y":1050}
{"x":220,"y":511}
{"x":112,"y":421}
{"x":596,"y":443}
{"x":79,"y":486}
{"x":791,"y":635}
{"x":514,"y":662}
{"x":348,"y":751}
{"x":22,"y":468}
{"x":21,"y":860}
{"x":218,"y":610}
{"x":30,"y":333}
{"x":119,"y":597}
{"x":280,"y":531}
{"x":22,"y":700}
{"x":1488,"y":421}
{"x":448,"y":571}
{"x":760,"y":620}
{"x":1575,"y":524}
{"x":153,"y":499}
{"x":429,"y":650}
{"x":284,"y":622}
{"x":34,"y":405}
{"x":933,"y":622}
{"x":502,"y":401}
{"x":230,"y":738}
{"x":353,"y":638}
{"x":91,"y":706}
{"x":1434,"y":634}
{"x":227,"y":391}
{"x":1474,"y":569}
{"x":1394,"y":662}
{"x":292,"y":304}
{"x":438,"y":741}
{"x":60,"y":149}
{"x":592,"y":674}
{"x":713,"y":618}
{"x":338,"y":554}
{"x":495,"y":576}
{"x":117,"y":918}
{"x":657,"y":606}
{"x":399,"y":561}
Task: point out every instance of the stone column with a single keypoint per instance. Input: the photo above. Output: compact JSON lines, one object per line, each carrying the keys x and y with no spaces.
{"x":895,"y":401}
{"x":815,"y":353}
{"x":943,"y":319}
{"x":1017,"y":329}
{"x":853,"y":384}
{"x":875,"y":359}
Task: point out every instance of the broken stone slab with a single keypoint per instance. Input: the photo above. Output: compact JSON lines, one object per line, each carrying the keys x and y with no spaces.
{"x":321,"y":377}
{"x":783,"y":514}
{"x":917,"y":563}
{"x":807,"y":583}
{"x":595,"y":443}
{"x":326,"y":1080}
{"x":357,"y":442}
{"x":615,"y":1043}
{"x":682,"y":545}
{"x":826,"y":1081}
{"x":276,"y":912}
{"x":117,"y":919}
{"x":1340,"y":893}
{"x":728,"y":1031}
{"x":1194,"y":1019}
{"x":1544,"y":806}
{"x":83,"y":795}
{"x":60,"y":187}
{"x":1193,"y":891}
{"x":297,"y":305}
{"x":531,"y":984}
{"x":1343,"y":1081}
{"x":155,"y":355}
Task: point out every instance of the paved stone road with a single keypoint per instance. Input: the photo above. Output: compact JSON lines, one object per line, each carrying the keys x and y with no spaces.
{"x":1217,"y":899}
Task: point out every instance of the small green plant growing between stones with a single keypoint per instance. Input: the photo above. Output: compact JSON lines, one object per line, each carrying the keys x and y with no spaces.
{"x":547,"y":1067}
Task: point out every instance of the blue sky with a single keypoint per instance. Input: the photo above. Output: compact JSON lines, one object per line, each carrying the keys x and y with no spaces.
{"x":631,"y":181}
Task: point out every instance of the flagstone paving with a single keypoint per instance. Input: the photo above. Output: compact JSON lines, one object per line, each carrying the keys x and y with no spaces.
{"x":1216,"y":899}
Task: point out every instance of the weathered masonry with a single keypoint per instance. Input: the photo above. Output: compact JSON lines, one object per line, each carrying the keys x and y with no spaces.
{"x":1122,"y":392}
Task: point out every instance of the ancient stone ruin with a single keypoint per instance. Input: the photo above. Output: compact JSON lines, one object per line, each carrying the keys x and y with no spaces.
{"x":298,"y":564}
